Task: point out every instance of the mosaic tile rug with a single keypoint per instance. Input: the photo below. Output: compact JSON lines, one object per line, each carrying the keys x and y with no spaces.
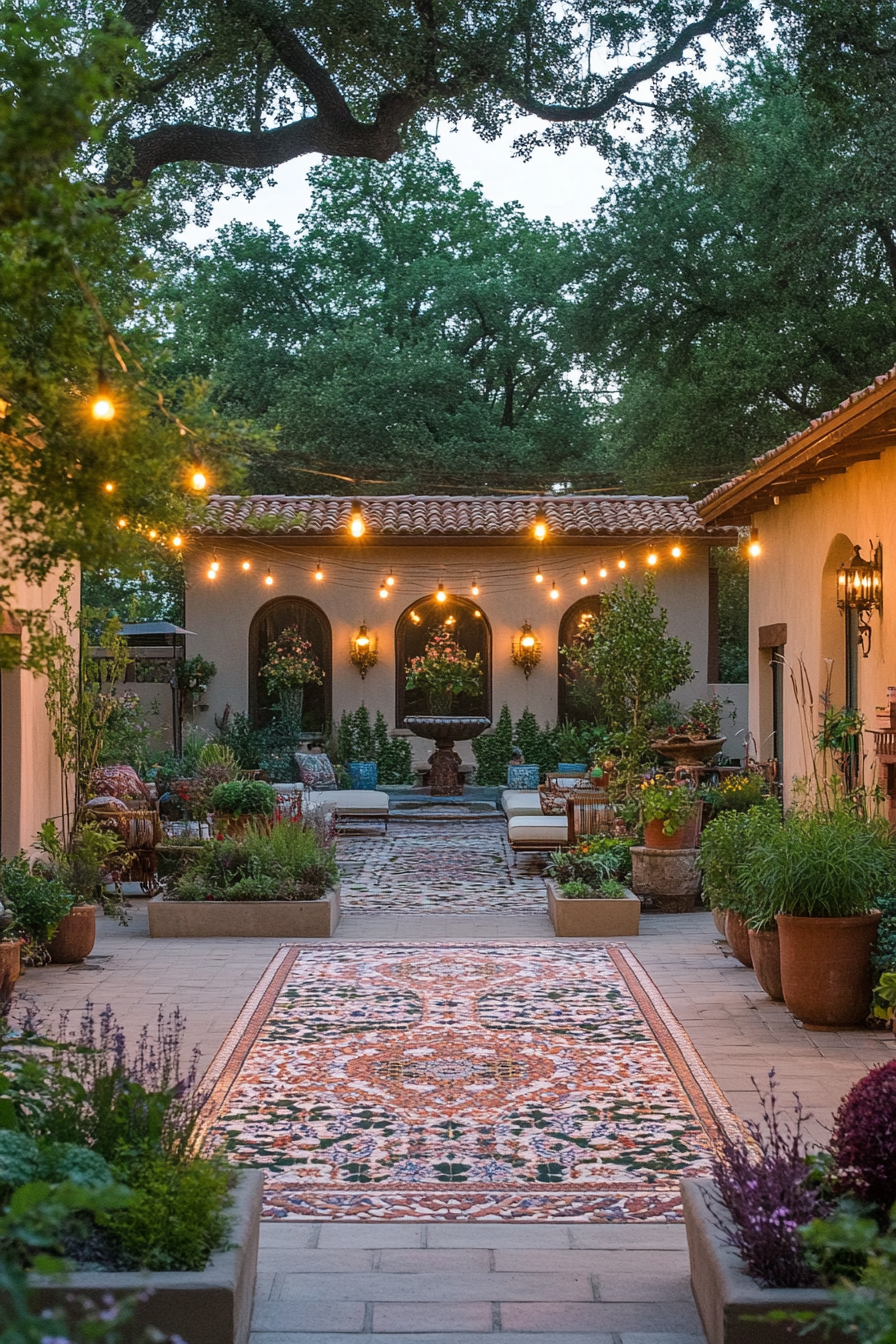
{"x":456,"y":868}
{"x":459,"y":1081}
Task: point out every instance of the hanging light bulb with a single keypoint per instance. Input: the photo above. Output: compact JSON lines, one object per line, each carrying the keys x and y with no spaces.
{"x":268,"y":578}
{"x":540,"y":527}
{"x":676,"y":551}
{"x":152,"y":534}
{"x":554,"y":592}
{"x":215,"y":565}
{"x":199,"y":480}
{"x":177,"y":540}
{"x":122,"y":522}
{"x":356,"y":523}
{"x":109,"y":487}
{"x":623,"y":563}
{"x":754,"y":547}
{"x":539,"y":577}
{"x":212,"y":573}
{"x":318,"y":573}
{"x":390,"y":579}
{"x":246,"y":566}
{"x":603,"y":570}
{"x":652,"y":558}
{"x":474,"y":587}
{"x":441,"y":595}
{"x":584,"y":579}
{"x":384,"y":591}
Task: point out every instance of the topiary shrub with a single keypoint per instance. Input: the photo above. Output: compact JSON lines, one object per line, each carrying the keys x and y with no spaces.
{"x":492,"y":751}
{"x":864,"y":1138}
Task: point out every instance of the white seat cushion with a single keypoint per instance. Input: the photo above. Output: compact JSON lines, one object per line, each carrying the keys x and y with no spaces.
{"x":551,"y":830}
{"x":360,"y":802}
{"x":521,"y":803}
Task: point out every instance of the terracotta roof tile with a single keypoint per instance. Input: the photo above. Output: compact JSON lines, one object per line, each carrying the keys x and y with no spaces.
{"x":570,"y":516}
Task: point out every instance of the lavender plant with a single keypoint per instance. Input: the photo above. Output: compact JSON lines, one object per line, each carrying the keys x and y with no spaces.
{"x":769,"y":1185}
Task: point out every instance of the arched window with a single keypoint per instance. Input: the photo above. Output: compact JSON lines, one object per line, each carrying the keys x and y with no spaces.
{"x":575,"y":623}
{"x":267,"y":624}
{"x":470,"y":627}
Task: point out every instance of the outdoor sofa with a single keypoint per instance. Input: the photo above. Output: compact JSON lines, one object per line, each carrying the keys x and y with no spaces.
{"x":529,"y":831}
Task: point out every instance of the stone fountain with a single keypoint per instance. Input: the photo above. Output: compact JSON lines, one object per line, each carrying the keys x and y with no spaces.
{"x":445,"y":729}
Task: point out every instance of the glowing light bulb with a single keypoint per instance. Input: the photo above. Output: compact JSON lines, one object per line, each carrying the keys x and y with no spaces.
{"x":554,"y":592}
{"x":177,"y":540}
{"x":102,"y":409}
{"x":268,"y":578}
{"x":528,"y":641}
{"x":602,"y":571}
{"x":152,"y":534}
{"x":622,"y":562}
{"x":540,"y":528}
{"x":441,"y":595}
{"x":318,"y":573}
{"x":212,"y":574}
{"x":539,"y":577}
{"x":356,"y":525}
{"x":122,"y":522}
{"x":584,"y":579}
{"x":384,"y":591}
{"x":109,"y":487}
{"x":198,"y":480}
{"x":474,"y":588}
{"x":652,"y":558}
{"x":676,"y":552}
{"x":390,"y":579}
{"x":362,"y":640}
{"x":754,"y":548}
{"x":246,"y":566}
{"x":215,"y":565}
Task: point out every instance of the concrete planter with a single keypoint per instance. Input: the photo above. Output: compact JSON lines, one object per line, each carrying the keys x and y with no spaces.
{"x":668,"y":877}
{"x":245,"y":919}
{"x":596,"y":918}
{"x":209,"y":1306}
{"x":731,"y":1304}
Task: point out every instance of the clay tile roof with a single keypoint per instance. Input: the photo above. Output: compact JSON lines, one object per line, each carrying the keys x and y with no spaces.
{"x":440,"y":516}
{"x":795,"y":461}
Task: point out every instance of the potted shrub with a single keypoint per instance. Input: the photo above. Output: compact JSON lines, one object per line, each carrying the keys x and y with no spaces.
{"x":820,"y":876}
{"x":724,"y":860}
{"x":38,"y":903}
{"x":81,"y":867}
{"x":586,"y":898}
{"x":670,"y":814}
{"x":234,"y":802}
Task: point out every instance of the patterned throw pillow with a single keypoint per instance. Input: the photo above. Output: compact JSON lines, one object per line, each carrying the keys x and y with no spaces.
{"x":315,"y":770}
{"x":553,"y":802}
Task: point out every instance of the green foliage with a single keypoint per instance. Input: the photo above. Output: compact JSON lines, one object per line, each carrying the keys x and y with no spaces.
{"x":726,"y":853}
{"x":662,"y":800}
{"x":354,"y":736}
{"x":23,"y":1159}
{"x":194,"y":674}
{"x":246,"y":742}
{"x":627,"y":663}
{"x":38,"y":903}
{"x":883,"y":957}
{"x":285,"y":864}
{"x":176,"y":1217}
{"x":737,"y":793}
{"x":492,"y":751}
{"x":243,"y":797}
{"x":80,"y":866}
{"x":607,"y":890}
{"x":594,"y":861}
{"x":865,"y":1294}
{"x":733,"y":570}
{"x":357,"y":740}
{"x":538,"y":745}
{"x":126,"y":734}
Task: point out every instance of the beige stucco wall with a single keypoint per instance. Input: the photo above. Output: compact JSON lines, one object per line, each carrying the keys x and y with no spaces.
{"x":220,"y":611}
{"x":30,"y":774}
{"x":803,"y":539}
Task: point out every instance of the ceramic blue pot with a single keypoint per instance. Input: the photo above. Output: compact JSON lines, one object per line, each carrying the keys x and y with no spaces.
{"x":363,"y":774}
{"x":522,"y":776}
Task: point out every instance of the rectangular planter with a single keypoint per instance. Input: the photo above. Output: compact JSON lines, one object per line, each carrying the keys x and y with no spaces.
{"x":731,"y":1304}
{"x":244,"y":919}
{"x":599,"y":918}
{"x":209,"y":1306}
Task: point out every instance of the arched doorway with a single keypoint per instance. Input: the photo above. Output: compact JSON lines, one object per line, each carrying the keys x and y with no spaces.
{"x":469,"y":626}
{"x":267,"y":624}
{"x":575,"y":625}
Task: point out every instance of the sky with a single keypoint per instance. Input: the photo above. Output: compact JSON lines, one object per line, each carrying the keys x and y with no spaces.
{"x":562,"y":186}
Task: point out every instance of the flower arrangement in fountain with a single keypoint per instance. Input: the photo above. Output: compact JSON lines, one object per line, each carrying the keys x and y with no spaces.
{"x":291,"y":663}
{"x":444,"y":670}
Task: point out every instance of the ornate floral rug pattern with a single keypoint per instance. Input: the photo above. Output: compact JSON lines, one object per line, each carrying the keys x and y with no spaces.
{"x":460,"y":868}
{"x":529,"y":1081}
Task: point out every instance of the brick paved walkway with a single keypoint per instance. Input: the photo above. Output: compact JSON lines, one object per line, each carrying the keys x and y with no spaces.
{"x":436,"y":1284}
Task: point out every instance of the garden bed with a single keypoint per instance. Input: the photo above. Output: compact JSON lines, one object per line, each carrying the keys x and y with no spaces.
{"x":209,"y":1306}
{"x":584,"y":917}
{"x":245,"y":919}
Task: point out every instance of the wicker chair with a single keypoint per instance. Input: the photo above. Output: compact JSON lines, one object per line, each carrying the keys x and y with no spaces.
{"x":140,"y":830}
{"x":589,"y":812}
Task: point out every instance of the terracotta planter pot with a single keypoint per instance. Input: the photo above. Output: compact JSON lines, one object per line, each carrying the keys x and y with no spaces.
{"x":237,"y":827}
{"x":738,"y":937}
{"x":826,"y":969}
{"x":718,"y":915}
{"x":75,"y":937}
{"x":10,"y":968}
{"x":686,"y":837}
{"x":765,"y":949}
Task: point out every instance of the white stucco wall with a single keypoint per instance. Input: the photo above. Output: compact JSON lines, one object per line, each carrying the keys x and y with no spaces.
{"x":221,"y":611}
{"x":803,"y":540}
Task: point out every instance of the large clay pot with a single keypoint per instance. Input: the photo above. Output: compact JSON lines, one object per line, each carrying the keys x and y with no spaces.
{"x":686,"y":837}
{"x":765,"y":949}
{"x":826,"y":969}
{"x":75,"y":937}
{"x":738,"y":937}
{"x":10,"y":968}
{"x":718,"y":915}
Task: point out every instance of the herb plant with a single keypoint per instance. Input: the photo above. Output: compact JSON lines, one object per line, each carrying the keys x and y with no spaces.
{"x":725,"y":854}
{"x":243,"y":797}
{"x":287,"y":864}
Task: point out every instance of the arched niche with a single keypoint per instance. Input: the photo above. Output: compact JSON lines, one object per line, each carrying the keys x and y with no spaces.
{"x":469,"y":625}
{"x":268,"y":623}
{"x":575,"y":623}
{"x":834,"y":638}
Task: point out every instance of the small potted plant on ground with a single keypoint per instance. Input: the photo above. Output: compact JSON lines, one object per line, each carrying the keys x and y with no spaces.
{"x":236,"y":801}
{"x":664,"y":868}
{"x":586,"y":898}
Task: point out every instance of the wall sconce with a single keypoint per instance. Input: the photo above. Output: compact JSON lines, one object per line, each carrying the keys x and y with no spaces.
{"x":860,"y":589}
{"x":525,"y":650}
{"x":356,"y":522}
{"x":363,"y":652}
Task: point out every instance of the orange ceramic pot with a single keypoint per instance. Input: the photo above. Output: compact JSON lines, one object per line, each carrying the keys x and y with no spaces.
{"x":765,"y":949}
{"x":686,"y":837}
{"x":738,"y":937}
{"x":75,"y":937}
{"x":10,"y":968}
{"x":826,"y":969}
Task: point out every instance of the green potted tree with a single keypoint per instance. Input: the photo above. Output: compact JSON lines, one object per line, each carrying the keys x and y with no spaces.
{"x":819,"y":876}
{"x":236,"y":801}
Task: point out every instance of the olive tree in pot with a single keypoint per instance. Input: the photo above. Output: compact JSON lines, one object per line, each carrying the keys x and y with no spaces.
{"x":819,"y":876}
{"x":235,"y":801}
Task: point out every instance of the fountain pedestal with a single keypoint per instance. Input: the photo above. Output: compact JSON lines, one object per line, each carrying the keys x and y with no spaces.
{"x":445,"y":729}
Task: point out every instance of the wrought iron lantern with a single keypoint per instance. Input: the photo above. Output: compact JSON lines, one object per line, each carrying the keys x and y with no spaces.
{"x":525,"y":650}
{"x":860,"y":589}
{"x":364,"y":653}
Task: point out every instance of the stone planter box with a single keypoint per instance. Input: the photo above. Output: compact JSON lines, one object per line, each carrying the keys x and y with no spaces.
{"x":245,"y":919}
{"x":209,"y":1306}
{"x":728,"y":1299}
{"x":598,"y":918}
{"x":670,"y":878}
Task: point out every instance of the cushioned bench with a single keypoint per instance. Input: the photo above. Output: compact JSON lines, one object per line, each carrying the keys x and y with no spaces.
{"x":521,"y":803}
{"x":531,"y":834}
{"x":351,"y":804}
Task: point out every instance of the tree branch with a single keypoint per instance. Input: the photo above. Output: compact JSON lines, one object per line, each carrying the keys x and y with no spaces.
{"x":141,"y":14}
{"x":298,"y":60}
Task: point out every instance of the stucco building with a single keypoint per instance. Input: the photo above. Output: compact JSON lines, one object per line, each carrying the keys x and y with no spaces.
{"x":812,"y":501}
{"x":260,"y":564}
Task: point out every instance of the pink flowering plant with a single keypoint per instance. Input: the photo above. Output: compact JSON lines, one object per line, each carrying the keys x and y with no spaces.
{"x":444,"y":669}
{"x":291,"y":663}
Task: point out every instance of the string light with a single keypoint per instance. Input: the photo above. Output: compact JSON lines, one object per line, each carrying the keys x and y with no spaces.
{"x":539,"y":577}
{"x":356,"y":525}
{"x":441,"y":595}
{"x":109,"y":487}
{"x":318,"y":573}
{"x":676,"y":552}
{"x":215,"y":565}
{"x":603,"y":570}
{"x":246,"y":566}
{"x":540,"y":529}
{"x":754,"y":548}
{"x":198,"y":480}
{"x":584,"y":579}
{"x":103,"y":409}
{"x":268,"y":578}
{"x":622,"y":562}
{"x":152,"y":534}
{"x":384,"y":591}
{"x":554,"y":592}
{"x":122,"y":522}
{"x":390,"y":579}
{"x":415,"y":618}
{"x":212,"y":573}
{"x":652,"y":558}
{"x":177,"y":540}
{"x":474,"y":587}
